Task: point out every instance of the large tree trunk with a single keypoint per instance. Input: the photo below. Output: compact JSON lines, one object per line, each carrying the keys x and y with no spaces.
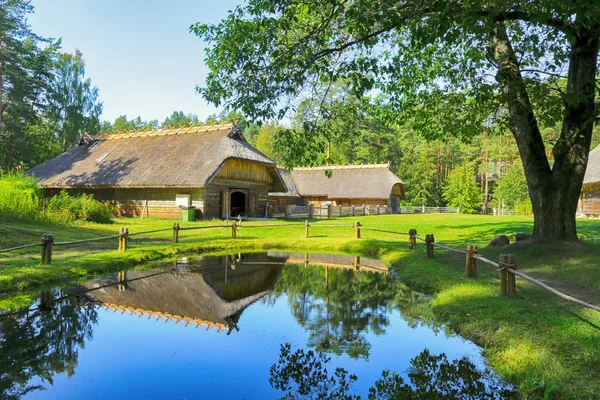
{"x":555,"y":190}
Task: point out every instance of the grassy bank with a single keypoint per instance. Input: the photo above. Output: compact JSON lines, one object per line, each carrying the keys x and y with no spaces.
{"x":535,"y":340}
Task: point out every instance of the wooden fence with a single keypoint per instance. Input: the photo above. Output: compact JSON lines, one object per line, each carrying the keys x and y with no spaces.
{"x":506,"y":265}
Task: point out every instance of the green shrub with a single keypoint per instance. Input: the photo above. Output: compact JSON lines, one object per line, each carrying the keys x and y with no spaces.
{"x":67,"y":208}
{"x":19,"y":197}
{"x":525,"y":208}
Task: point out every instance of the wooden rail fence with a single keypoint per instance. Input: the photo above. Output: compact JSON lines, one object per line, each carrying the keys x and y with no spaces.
{"x":506,"y":266}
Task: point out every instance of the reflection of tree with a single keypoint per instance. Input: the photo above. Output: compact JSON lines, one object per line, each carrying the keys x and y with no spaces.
{"x":337,"y":315}
{"x":303,"y":375}
{"x":42,"y":343}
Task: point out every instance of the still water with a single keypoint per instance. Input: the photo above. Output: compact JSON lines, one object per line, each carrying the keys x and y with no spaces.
{"x":238,"y":327}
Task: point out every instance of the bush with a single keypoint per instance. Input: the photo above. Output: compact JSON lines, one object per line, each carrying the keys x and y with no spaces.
{"x":19,"y":197}
{"x":525,"y":208}
{"x":69,"y":208}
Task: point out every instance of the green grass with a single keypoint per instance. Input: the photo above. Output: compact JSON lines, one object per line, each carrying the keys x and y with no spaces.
{"x":534,"y":340}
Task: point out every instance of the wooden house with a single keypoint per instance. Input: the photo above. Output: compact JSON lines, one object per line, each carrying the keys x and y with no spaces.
{"x":349,"y":185}
{"x":589,"y":200}
{"x":152,"y":173}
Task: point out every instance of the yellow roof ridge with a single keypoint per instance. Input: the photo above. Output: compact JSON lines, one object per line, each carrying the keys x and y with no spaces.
{"x":168,"y":317}
{"x":359,"y":166}
{"x":163,"y":131}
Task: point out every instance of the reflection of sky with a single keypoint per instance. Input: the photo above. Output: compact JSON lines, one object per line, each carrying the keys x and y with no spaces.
{"x":131,"y":357}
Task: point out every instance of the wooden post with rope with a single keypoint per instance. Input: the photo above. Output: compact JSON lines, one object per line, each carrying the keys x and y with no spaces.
{"x":357,"y":228}
{"x":234,"y":229}
{"x":124,"y":239}
{"x":511,"y":282}
{"x":306,"y":225}
{"x":429,"y":241}
{"x":176,"y":232}
{"x":503,"y":275}
{"x":47,"y":242}
{"x":412,"y":240}
{"x":471,"y":262}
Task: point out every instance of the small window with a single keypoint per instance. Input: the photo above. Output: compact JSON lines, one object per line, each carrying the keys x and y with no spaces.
{"x":183,"y":200}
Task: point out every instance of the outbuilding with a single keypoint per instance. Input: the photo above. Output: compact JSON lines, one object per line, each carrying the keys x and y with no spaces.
{"x":345,"y":185}
{"x":154,"y":172}
{"x":589,"y":201}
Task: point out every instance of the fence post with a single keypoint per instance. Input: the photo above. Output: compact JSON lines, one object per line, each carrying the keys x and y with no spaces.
{"x":47,"y":242}
{"x":377,"y":209}
{"x":234,"y":229}
{"x":503,"y":275}
{"x":329,"y":210}
{"x":366,"y":210}
{"x":429,"y":241}
{"x":125,"y":238}
{"x":357,"y":228}
{"x":121,"y":229}
{"x":340,"y":211}
{"x":412,"y":241}
{"x":306,"y":225}
{"x":311,"y":211}
{"x":423,"y":208}
{"x":288,"y":211}
{"x":270,"y":211}
{"x":176,"y":232}
{"x":471,"y":263}
{"x":353,"y":211}
{"x":511,"y":283}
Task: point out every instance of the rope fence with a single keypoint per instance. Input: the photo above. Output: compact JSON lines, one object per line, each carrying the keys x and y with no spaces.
{"x":507,"y":265}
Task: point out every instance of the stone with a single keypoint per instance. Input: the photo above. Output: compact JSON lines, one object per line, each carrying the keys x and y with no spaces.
{"x":501,"y":240}
{"x":521,"y":237}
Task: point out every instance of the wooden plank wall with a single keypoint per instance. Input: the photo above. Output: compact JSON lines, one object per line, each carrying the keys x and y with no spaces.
{"x":590,"y":199}
{"x":159,"y":202}
{"x":243,"y":171}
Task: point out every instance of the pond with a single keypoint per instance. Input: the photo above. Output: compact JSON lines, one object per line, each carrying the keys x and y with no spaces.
{"x":239,"y":326}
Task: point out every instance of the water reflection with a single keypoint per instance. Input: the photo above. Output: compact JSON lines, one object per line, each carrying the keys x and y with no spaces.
{"x":42,"y":343}
{"x":211,"y":292}
{"x":304,"y":375}
{"x":337,"y":304}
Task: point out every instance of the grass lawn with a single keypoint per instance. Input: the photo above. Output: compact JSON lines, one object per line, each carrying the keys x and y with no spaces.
{"x":535,"y":341}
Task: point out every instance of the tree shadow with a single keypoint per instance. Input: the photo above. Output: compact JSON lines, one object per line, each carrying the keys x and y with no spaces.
{"x":107,"y":174}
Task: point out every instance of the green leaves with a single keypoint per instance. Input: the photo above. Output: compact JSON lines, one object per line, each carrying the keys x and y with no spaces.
{"x":461,"y":189}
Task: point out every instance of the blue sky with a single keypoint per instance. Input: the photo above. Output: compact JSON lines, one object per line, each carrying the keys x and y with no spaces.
{"x":139,"y":53}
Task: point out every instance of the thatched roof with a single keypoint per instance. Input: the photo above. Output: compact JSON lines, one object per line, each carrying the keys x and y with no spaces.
{"x":292,"y":191}
{"x":180,"y":157}
{"x":592,"y":173}
{"x":371,"y":181}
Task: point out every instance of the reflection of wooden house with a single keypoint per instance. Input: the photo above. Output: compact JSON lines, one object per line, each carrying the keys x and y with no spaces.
{"x":151,"y":173}
{"x":214,"y":295}
{"x":335,"y":261}
{"x":589,"y":201}
{"x":351,"y":185}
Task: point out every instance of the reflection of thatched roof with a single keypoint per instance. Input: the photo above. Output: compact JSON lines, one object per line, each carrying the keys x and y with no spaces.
{"x":181,"y":157}
{"x":334,"y":261}
{"x":592,"y":173}
{"x":374,"y":181}
{"x":210,"y":297}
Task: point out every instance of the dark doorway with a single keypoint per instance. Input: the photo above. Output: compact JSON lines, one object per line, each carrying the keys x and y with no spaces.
{"x":238,"y":204}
